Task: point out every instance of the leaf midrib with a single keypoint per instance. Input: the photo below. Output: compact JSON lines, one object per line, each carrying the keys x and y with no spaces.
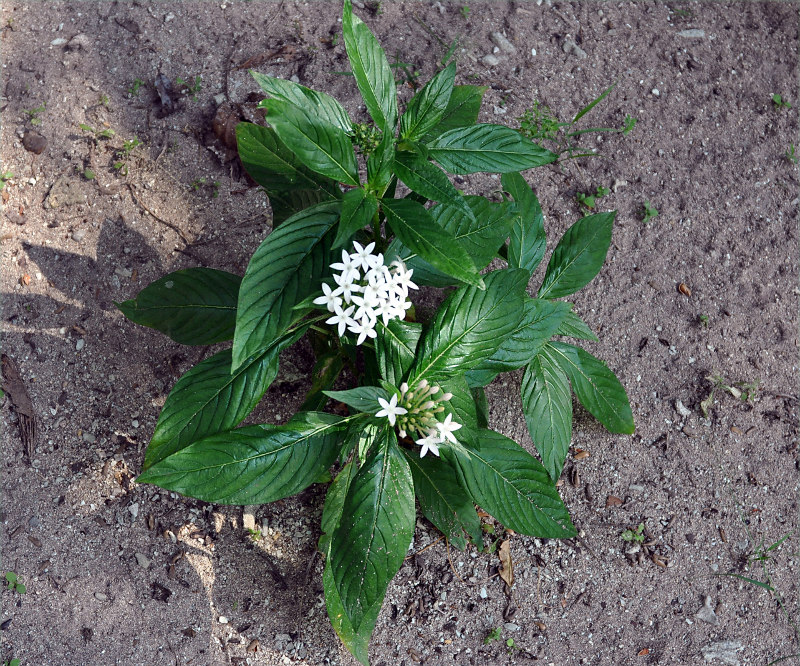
{"x":547,"y":288}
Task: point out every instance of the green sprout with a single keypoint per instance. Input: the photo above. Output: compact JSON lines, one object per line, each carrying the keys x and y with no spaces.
{"x":98,"y":134}
{"x":649,"y":212}
{"x":88,"y":174}
{"x":589,"y":200}
{"x":33,"y":114}
{"x":135,"y":86}
{"x":255,"y":534}
{"x":704,"y":320}
{"x":634,"y":535}
{"x":464,"y":11}
{"x":494,"y":635}
{"x":779,"y":102}
{"x":12,"y":662}
{"x":539,"y":122}
{"x":104,"y":100}
{"x":790,"y":155}
{"x":191,"y":88}
{"x":128,"y":147}
{"x":5,"y":176}
{"x":628,"y":124}
{"x":14,"y":584}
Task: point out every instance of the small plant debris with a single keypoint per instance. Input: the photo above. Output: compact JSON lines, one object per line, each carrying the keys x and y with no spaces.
{"x":649,"y":212}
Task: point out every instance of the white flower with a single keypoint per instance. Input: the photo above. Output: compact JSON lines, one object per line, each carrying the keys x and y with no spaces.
{"x":362,"y":256}
{"x":346,"y":266}
{"x":429,"y":443}
{"x":446,"y":429}
{"x":341,"y":318}
{"x":390,"y":409}
{"x":330,"y":298}
{"x":364,"y":328}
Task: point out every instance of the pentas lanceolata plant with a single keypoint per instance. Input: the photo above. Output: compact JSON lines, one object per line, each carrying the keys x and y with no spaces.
{"x":396,"y":407}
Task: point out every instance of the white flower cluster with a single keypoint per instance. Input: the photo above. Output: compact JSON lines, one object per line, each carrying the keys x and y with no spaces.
{"x":416,"y":413}
{"x":366,"y":290}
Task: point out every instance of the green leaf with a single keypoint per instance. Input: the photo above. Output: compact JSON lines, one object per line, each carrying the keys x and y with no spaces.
{"x":320,"y":146}
{"x":251,"y":465}
{"x":377,"y":523}
{"x":286,"y":268}
{"x":481,"y":236}
{"x":527,"y":243}
{"x":595,"y":386}
{"x":579,"y":256}
{"x":592,"y":104}
{"x":273,"y":166}
{"x":462,"y":110}
{"x":547,"y":405}
{"x":371,"y":69}
{"x":540,"y":320}
{"x":326,"y":369}
{"x":395,"y":347}
{"x":380,"y":164}
{"x":486,"y":147}
{"x":209,"y":398}
{"x":509,"y":483}
{"x":443,"y":501}
{"x":574,"y":327}
{"x":415,"y":228}
{"x":355,"y":641}
{"x":358,"y":209}
{"x":334,"y":502}
{"x":286,"y":204}
{"x":470,"y":325}
{"x":195,"y":306}
{"x":319,"y":103}
{"x":361,"y":398}
{"x":428,"y":180}
{"x":462,"y":406}
{"x":428,"y":106}
{"x":481,"y":406}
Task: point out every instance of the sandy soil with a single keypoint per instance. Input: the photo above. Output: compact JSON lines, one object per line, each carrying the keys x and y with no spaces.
{"x":120,"y":573}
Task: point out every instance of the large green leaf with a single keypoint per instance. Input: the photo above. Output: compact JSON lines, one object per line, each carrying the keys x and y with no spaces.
{"x":547,"y":405}
{"x":430,"y":181}
{"x":509,"y":483}
{"x":319,"y":103}
{"x":540,"y":320}
{"x":415,"y":228}
{"x":326,"y":370}
{"x":360,"y":398}
{"x":574,"y":327}
{"x":371,"y":69}
{"x":486,"y":147}
{"x":375,"y":530}
{"x":579,"y":255}
{"x":252,"y":465}
{"x":286,"y":268}
{"x":276,"y":168}
{"x":595,"y":386}
{"x":481,"y":235}
{"x":358,"y":209}
{"x":395,"y":347}
{"x":194,"y":306}
{"x":443,"y":501}
{"x":462,"y":110}
{"x":334,"y":502}
{"x":426,"y":108}
{"x":321,"y":146}
{"x":209,"y":398}
{"x":380,"y":165}
{"x":286,"y":204}
{"x":470,"y":325}
{"x":527,"y":243}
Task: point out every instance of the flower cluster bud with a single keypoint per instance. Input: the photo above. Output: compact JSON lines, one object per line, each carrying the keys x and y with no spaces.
{"x":422,"y":403}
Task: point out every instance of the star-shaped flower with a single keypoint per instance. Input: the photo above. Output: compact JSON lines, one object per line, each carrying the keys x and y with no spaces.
{"x":330,"y":298}
{"x":362,"y":257}
{"x":341,"y":318}
{"x":429,"y":443}
{"x":446,"y":429}
{"x":391,"y":410}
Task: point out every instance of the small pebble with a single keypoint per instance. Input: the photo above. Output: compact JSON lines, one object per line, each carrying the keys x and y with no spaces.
{"x":484,"y":593}
{"x":78,"y":42}
{"x":133,"y":509}
{"x":706,"y":613}
{"x":142,"y":560}
{"x":89,"y":437}
{"x":692,"y":33}
{"x":100,"y":596}
{"x":656,"y":92}
{"x":78,"y":235}
{"x":34,"y":522}
{"x":222,"y":619}
{"x":510,"y":626}
{"x":80,"y":344}
{"x":490,"y":60}
{"x":571,"y":46}
{"x":59,"y":41}
{"x":502,"y":43}
{"x":682,"y":409}
{"x":135,"y":423}
{"x":533,"y":52}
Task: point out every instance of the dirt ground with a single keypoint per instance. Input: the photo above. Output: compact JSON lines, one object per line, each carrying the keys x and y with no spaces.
{"x":120,"y":573}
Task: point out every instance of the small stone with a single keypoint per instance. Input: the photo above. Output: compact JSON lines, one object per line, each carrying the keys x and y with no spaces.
{"x":100,"y":596}
{"x":706,"y":613}
{"x":635,"y":487}
{"x":294,"y":78}
{"x":123,"y":272}
{"x":219,"y":99}
{"x":169,"y":17}
{"x":222,"y":619}
{"x":571,"y":46}
{"x":65,"y":191}
{"x":135,"y":423}
{"x":78,"y":42}
{"x":689,"y":431}
{"x":684,"y":411}
{"x":34,"y":142}
{"x":133,"y":509}
{"x":502,"y":43}
{"x":656,"y":92}
{"x":484,"y":593}
{"x":725,"y":651}
{"x":533,"y":52}
{"x":511,"y":626}
{"x":78,"y":235}
{"x":34,"y":522}
{"x":142,"y":560}
{"x":490,"y":60}
{"x":89,"y":437}
{"x":79,"y":345}
{"x":59,"y":41}
{"x":693,"y":33}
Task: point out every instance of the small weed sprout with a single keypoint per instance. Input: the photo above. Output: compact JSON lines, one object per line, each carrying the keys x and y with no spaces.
{"x":255,"y":534}
{"x":791,"y":156}
{"x":137,"y":84}
{"x":190,"y":88}
{"x":589,"y":200}
{"x":649,"y":212}
{"x":15,"y":661}
{"x":124,"y":154}
{"x":704,"y":320}
{"x":13,"y":583}
{"x":494,"y":635}
{"x":98,"y":134}
{"x":636,"y":535}
{"x":5,"y":176}
{"x":464,"y":11}
{"x":779,"y":102}
{"x":33,"y":114}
